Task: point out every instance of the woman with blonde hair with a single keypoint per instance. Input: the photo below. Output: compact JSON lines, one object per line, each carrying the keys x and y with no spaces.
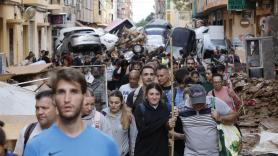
{"x":122,"y":123}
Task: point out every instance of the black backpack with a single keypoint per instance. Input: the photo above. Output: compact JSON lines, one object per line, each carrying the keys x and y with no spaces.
{"x":28,"y":132}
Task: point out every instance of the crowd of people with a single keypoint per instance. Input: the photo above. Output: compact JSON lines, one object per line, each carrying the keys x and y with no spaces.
{"x":76,"y":117}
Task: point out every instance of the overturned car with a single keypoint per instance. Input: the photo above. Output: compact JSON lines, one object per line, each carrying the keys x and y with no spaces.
{"x":80,"y":41}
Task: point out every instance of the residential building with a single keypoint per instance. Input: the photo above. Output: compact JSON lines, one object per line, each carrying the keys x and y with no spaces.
{"x":124,"y":9}
{"x":240,"y":18}
{"x":24,"y":27}
{"x":114,"y":9}
{"x":160,"y":9}
{"x":103,"y":12}
{"x":178,"y":16}
{"x":33,"y":25}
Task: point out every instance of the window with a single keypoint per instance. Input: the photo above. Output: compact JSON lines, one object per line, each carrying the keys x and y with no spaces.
{"x":168,"y":4}
{"x":67,"y":2}
{"x":99,"y":7}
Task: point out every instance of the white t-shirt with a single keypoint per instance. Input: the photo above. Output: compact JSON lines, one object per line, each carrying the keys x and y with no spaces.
{"x":110,"y":69}
{"x":20,"y":141}
{"x":125,"y":90}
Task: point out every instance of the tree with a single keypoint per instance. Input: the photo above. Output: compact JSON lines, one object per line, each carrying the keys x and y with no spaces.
{"x":182,"y":5}
{"x":145,"y":21}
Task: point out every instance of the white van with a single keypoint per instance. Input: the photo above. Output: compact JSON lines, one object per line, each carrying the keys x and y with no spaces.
{"x":63,"y":31}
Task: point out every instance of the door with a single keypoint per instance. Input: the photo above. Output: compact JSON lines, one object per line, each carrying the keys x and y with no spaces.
{"x":11,"y":46}
{"x":25,"y":40}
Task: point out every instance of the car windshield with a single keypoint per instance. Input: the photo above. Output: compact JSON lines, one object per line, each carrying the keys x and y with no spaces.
{"x":155,"y":31}
{"x":79,"y":31}
{"x":155,"y":40}
{"x":84,"y":32}
{"x":219,"y":43}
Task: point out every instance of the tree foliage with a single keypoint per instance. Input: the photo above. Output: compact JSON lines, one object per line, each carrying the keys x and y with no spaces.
{"x":145,"y":21}
{"x":182,"y":5}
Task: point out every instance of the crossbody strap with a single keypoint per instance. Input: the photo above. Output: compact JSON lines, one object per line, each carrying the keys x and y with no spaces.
{"x":28,"y":132}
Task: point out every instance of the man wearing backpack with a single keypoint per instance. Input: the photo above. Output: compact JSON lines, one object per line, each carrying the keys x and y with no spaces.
{"x":46,"y":115}
{"x":136,"y":97}
{"x":164,"y":80}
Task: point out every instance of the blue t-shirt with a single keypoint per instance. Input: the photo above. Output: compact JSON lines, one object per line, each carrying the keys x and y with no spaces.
{"x":53,"y":142}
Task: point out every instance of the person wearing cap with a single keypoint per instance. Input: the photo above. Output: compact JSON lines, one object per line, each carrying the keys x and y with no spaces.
{"x":199,"y":116}
{"x":46,"y":115}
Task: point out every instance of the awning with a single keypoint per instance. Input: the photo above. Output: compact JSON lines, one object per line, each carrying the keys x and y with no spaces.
{"x":80,"y":24}
{"x":15,"y":100}
{"x":30,"y":69}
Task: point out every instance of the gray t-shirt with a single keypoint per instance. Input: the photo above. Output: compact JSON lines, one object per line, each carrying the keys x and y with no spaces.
{"x":201,"y":137}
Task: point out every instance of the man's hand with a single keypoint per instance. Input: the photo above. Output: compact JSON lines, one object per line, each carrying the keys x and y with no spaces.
{"x":172,"y":122}
{"x":176,"y":112}
{"x":215,"y":115}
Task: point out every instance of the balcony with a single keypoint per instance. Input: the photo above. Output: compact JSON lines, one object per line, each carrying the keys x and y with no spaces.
{"x":54,"y":7}
{"x":39,"y":3}
{"x":200,"y":6}
{"x":215,"y":3}
{"x":16,"y":1}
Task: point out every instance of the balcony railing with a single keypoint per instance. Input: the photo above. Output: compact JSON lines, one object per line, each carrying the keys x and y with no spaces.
{"x":35,"y":2}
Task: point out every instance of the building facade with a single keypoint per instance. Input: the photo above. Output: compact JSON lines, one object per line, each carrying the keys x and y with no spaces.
{"x":24,"y":27}
{"x":124,"y":9}
{"x":104,"y":12}
{"x":240,"y":18}
{"x":178,"y":16}
{"x":160,"y":9}
{"x":33,"y":25}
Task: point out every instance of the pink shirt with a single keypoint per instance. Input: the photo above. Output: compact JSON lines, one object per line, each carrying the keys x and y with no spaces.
{"x":223,"y":94}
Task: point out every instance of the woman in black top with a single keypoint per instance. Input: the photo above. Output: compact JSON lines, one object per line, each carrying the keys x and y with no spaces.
{"x":153,"y":123}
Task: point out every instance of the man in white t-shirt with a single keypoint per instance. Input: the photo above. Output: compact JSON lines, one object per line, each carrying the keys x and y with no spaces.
{"x":199,"y":116}
{"x":134,"y":76}
{"x":46,"y":115}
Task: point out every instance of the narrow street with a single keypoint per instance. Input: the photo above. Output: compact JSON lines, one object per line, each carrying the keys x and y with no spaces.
{"x":138,"y":77}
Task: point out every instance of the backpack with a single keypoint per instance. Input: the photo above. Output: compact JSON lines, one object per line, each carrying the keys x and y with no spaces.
{"x":135,"y":95}
{"x":28,"y":132}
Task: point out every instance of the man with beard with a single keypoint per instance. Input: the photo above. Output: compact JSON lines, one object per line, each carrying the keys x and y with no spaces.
{"x":69,"y":135}
{"x":163,"y":77}
{"x":192,"y":65}
{"x":136,"y":97}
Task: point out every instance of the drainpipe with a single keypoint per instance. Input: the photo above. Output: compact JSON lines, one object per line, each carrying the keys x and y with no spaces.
{"x":275,"y":7}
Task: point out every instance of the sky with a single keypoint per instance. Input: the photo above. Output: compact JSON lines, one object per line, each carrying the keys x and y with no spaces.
{"x":141,"y":9}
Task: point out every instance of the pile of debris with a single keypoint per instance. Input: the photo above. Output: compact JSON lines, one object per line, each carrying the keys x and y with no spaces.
{"x":130,"y":37}
{"x":260,"y":110}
